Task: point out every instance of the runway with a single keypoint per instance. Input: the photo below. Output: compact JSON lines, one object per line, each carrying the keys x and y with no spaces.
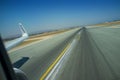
{"x":96,"y":56}
{"x":41,"y":54}
{"x":79,"y":54}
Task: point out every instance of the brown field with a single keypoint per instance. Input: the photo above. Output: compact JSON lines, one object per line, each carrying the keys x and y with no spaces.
{"x":108,"y":24}
{"x":114,"y":24}
{"x":49,"y":33}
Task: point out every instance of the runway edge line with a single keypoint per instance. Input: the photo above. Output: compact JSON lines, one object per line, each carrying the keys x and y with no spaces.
{"x":55,"y":62}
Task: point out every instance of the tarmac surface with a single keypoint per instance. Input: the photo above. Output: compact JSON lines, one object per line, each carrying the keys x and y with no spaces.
{"x":35,"y":59}
{"x":78,"y":54}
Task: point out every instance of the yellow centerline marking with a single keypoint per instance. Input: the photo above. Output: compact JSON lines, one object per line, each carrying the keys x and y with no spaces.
{"x":54,"y":63}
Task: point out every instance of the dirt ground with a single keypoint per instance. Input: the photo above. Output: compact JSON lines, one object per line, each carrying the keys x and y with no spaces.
{"x":108,"y":24}
{"x":114,"y":24}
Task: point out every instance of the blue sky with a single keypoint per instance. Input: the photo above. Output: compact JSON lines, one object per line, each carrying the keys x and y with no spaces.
{"x":40,"y":15}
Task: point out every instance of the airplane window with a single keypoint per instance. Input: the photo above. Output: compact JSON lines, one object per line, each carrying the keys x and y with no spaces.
{"x":62,"y":39}
{"x":2,"y":73}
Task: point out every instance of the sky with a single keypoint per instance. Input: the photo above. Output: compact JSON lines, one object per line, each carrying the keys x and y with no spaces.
{"x":43,"y":15}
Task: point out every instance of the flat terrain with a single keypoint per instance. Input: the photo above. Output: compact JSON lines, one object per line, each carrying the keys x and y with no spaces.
{"x":38,"y":37}
{"x":95,"y":56}
{"x":41,"y":54}
{"x":115,"y":24}
{"x":77,"y":54}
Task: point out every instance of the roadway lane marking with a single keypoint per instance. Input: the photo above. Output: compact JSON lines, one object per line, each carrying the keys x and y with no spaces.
{"x":54,"y":63}
{"x":53,"y":73}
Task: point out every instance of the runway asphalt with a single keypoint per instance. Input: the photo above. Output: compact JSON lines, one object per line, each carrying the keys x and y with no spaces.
{"x":39,"y":56}
{"x":90,"y":54}
{"x":96,"y":56}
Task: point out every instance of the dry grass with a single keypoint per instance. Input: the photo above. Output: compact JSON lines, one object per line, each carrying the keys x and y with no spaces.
{"x":27,"y":42}
{"x":108,"y":24}
{"x":48,"y":33}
